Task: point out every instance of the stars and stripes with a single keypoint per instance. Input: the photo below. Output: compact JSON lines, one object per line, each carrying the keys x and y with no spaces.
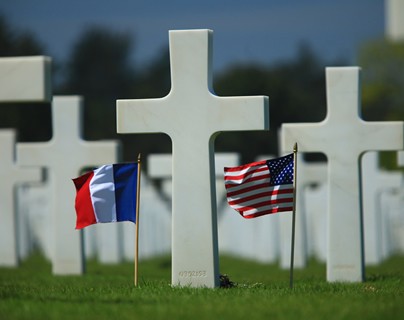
{"x":261,"y":187}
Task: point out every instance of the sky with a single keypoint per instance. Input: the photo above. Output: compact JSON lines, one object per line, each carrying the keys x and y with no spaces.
{"x":262,"y":31}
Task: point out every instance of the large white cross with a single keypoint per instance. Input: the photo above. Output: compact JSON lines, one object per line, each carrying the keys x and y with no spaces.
{"x":375,"y":181}
{"x":64,"y":156}
{"x":160,"y":167}
{"x":22,"y":79}
{"x":25,"y":79}
{"x":307,"y":173}
{"x":11,"y":175}
{"x":193,"y":116}
{"x":343,"y":136}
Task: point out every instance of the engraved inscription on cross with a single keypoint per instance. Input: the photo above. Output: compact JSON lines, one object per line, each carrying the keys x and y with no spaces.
{"x":193,"y":116}
{"x":343,"y":136}
{"x":63,"y":157}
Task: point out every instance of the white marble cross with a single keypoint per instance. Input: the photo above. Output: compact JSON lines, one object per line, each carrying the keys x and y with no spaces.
{"x":64,"y":156}
{"x":343,"y":136}
{"x":25,"y":79}
{"x":114,"y":242}
{"x":22,"y":79}
{"x":307,"y":173}
{"x":160,"y":167}
{"x":154,"y":225}
{"x":393,"y":221}
{"x":35,"y":206}
{"x":193,"y":116}
{"x":316,"y":198}
{"x":394,"y":20}
{"x":375,"y":181}
{"x":11,"y":175}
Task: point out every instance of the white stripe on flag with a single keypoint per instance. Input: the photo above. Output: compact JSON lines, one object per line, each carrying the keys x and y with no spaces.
{"x":253,"y":211}
{"x":102,"y":190}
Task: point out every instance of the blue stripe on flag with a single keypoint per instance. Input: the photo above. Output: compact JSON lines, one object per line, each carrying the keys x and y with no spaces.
{"x":125,"y":178}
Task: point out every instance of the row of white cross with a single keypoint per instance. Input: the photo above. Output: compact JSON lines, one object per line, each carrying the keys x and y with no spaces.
{"x":266,"y":239}
{"x":193,"y":116}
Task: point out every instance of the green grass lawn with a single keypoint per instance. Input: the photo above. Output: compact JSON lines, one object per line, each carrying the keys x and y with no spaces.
{"x":261,"y":292}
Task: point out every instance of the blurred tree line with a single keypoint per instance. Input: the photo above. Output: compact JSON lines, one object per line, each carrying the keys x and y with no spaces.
{"x":382,"y":63}
{"x":99,"y":69}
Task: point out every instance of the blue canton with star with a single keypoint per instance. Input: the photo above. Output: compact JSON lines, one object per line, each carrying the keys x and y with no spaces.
{"x":281,"y":170}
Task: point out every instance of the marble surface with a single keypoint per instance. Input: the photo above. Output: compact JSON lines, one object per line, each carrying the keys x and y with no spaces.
{"x":63,"y":157}
{"x":192,"y":116}
{"x":255,"y":239}
{"x":308,"y":173}
{"x":374,"y":182}
{"x":22,"y":79}
{"x":11,"y":175}
{"x":25,"y":79}
{"x":343,"y":136}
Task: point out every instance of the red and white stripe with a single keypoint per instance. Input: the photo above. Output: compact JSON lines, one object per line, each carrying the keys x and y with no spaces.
{"x":250,"y":193}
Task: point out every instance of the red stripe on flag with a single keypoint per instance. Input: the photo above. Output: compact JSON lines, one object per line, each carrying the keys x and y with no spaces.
{"x":266,"y":206}
{"x":257,"y":187}
{"x":263,"y":197}
{"x":245,"y":166}
{"x":262,"y":213}
{"x":84,"y":207}
{"x":253,"y":190}
{"x":246,"y":175}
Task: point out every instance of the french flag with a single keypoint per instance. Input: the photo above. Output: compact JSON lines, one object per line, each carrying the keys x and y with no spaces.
{"x":107,"y":194}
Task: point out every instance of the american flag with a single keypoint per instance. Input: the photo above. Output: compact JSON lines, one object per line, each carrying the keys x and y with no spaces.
{"x":261,"y":187}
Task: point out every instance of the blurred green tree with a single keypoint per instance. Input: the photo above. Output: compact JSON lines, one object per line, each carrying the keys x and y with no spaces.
{"x":99,"y":69}
{"x":296,"y":91}
{"x":31,"y":120}
{"x":382,"y":64}
{"x":17,"y":43}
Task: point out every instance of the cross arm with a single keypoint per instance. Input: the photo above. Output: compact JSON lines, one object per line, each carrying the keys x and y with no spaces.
{"x":240,"y":113}
{"x":25,"y":79}
{"x":308,"y":136}
{"x":389,"y":133}
{"x":102,"y":152}
{"x":32,"y":154}
{"x":142,"y":115}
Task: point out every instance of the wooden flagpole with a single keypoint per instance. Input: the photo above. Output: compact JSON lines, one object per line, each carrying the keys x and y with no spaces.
{"x":137,"y":220}
{"x":292,"y":251}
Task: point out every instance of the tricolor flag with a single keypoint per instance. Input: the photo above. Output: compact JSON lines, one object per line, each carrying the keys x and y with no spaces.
{"x":107,"y":194}
{"x":261,"y":187}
